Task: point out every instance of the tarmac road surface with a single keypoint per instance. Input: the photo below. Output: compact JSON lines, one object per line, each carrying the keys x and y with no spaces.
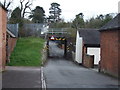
{"x":61,"y":73}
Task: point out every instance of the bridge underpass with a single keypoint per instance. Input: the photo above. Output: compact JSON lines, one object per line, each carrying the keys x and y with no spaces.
{"x":57,"y":43}
{"x":57,"y":47}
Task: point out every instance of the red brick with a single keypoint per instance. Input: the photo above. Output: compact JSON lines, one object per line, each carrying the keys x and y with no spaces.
{"x":109,"y":52}
{"x":11,"y":42}
{"x":88,"y":61}
{"x":3,"y":22}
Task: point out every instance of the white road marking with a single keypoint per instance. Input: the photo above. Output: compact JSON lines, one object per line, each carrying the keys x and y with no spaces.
{"x":43,"y":80}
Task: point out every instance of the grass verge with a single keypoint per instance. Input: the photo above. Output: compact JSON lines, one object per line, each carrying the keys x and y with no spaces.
{"x":27,"y":52}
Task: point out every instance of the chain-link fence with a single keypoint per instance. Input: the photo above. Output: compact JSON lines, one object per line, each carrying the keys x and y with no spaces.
{"x":36,"y":30}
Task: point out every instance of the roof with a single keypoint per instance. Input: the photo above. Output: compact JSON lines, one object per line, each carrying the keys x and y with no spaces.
{"x":13,"y":28}
{"x":10,"y":33}
{"x":91,"y":37}
{"x":114,"y":24}
{"x":1,"y":5}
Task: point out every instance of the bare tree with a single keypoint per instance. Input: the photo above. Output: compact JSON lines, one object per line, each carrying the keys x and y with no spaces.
{"x":7,"y":3}
{"x":25,"y":6}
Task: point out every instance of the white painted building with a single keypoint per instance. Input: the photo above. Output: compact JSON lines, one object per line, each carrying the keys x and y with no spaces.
{"x":79,"y":47}
{"x":96,"y":52}
{"x":87,"y":42}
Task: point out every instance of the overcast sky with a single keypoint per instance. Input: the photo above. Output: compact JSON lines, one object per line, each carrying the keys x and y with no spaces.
{"x":70,"y":8}
{"x":88,"y":7}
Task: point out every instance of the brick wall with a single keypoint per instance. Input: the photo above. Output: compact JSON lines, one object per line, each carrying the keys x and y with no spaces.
{"x":109,"y":52}
{"x":119,"y":53}
{"x":3,"y":21}
{"x":0,"y":38}
{"x":11,"y":42}
{"x":84,"y":52}
{"x":88,"y":61}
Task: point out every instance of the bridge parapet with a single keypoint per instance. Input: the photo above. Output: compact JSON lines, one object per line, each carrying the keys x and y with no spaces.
{"x":57,"y":31}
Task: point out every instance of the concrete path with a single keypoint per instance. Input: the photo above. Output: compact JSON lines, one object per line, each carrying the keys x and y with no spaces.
{"x":22,"y":77}
{"x":61,"y":73}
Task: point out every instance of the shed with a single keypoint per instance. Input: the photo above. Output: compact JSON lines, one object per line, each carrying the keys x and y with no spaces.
{"x":12,"y":36}
{"x":110,"y":47}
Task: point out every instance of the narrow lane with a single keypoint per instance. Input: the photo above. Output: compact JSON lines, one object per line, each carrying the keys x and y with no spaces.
{"x":61,"y":73}
{"x":54,"y":51}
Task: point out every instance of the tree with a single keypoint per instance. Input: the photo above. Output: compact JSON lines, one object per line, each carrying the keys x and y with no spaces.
{"x":60,"y":24}
{"x":108,"y":17}
{"x":98,"y":21}
{"x":15,"y":16}
{"x":55,"y":12}
{"x":7,"y":3}
{"x":38,"y":15}
{"x":25,"y":6}
{"x":78,"y":22}
{"x":100,"y":17}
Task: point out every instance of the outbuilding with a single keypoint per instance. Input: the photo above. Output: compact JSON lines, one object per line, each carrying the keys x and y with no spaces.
{"x":110,"y":47}
{"x":12,"y":36}
{"x":88,"y":47}
{"x":3,"y":22}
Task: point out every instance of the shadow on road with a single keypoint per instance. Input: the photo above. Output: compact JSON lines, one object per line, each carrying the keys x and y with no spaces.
{"x":55,"y":51}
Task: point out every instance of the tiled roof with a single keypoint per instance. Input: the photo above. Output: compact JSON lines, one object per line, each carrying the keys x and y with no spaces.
{"x":9,"y":32}
{"x":113,"y":24}
{"x":91,"y":37}
{"x":13,"y":28}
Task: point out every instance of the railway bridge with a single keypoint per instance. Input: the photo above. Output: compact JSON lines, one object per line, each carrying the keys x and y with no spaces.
{"x":60,"y":36}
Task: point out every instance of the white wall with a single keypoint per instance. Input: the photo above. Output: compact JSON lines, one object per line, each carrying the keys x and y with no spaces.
{"x":78,"y":55}
{"x":96,"y":53}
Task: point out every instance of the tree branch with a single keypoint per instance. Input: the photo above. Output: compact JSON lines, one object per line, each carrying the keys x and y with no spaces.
{"x":24,"y":7}
{"x":4,"y":3}
{"x":7,"y":5}
{"x":28,"y":12}
{"x":27,"y":5}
